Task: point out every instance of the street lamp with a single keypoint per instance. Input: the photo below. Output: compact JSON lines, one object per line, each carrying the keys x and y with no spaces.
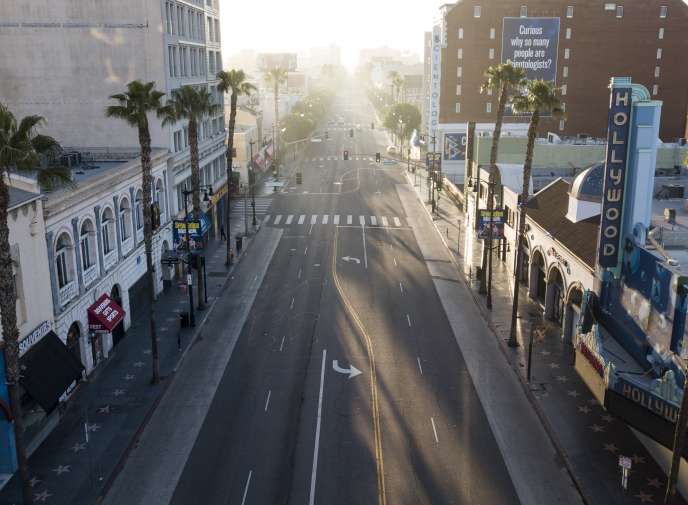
{"x":252,"y":183}
{"x":431,"y":170}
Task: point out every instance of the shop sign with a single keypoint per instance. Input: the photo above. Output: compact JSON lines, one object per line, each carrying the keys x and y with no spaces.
{"x":491,"y":219}
{"x":591,"y":358}
{"x":104,"y":315}
{"x":614,"y":176}
{"x":219,"y":194}
{"x":32,"y":338}
{"x":647,"y":399}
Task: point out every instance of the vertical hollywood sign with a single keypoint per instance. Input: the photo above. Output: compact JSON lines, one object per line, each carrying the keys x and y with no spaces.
{"x":614,"y":177}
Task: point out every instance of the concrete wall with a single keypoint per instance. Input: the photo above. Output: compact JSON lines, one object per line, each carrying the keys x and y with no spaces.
{"x":63,"y":58}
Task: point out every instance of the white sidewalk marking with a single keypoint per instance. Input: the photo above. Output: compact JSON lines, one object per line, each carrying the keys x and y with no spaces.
{"x":336,"y":219}
{"x":290,"y":218}
{"x":384,"y":221}
{"x":311,"y":501}
{"x":326,"y":218}
{"x":278,"y":219}
{"x":267,"y":401}
{"x":420,"y":367}
{"x":349,"y":219}
{"x":373,"y":220}
{"x":248,"y":483}
{"x":434,"y":430}
{"x":302,"y":218}
{"x":365,"y":250}
{"x":397,"y":222}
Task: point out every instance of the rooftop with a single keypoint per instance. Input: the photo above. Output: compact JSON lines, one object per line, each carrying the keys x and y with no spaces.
{"x":19,"y":197}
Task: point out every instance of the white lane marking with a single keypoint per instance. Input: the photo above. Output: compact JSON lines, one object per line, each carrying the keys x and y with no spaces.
{"x":302,"y":218}
{"x":397,"y":222}
{"x":316,"y":448}
{"x":266,"y":219}
{"x":365,"y":250}
{"x":384,"y":221}
{"x":408,"y":319}
{"x":310,"y":231}
{"x":373,"y":220}
{"x":299,"y":274}
{"x":306,"y":251}
{"x":290,"y":218}
{"x":267,"y":401}
{"x":278,"y":219}
{"x":282,"y":343}
{"x":401,"y":287}
{"x":434,"y":430}
{"x":326,"y":218}
{"x":349,"y":219}
{"x":420,"y":367}
{"x":248,"y":483}
{"x":336,"y":219}
{"x":314,"y":219}
{"x":292,"y":303}
{"x":361,"y":220}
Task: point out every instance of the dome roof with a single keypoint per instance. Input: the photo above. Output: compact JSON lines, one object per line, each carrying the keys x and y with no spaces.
{"x":588,"y":185}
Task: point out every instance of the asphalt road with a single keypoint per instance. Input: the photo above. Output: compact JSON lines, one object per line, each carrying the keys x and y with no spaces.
{"x":287,"y":427}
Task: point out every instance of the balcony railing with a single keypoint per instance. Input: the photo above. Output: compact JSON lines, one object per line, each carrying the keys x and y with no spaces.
{"x":127,"y":245}
{"x":110,"y":259}
{"x":67,"y":293}
{"x":90,"y":275}
{"x":139,"y":235}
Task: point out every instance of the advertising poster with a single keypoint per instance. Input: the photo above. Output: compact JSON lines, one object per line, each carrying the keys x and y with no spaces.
{"x":454,"y":146}
{"x":532,"y":44}
{"x":495,"y":220}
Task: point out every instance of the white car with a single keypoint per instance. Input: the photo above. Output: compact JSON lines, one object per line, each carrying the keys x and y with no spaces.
{"x":392,"y":150}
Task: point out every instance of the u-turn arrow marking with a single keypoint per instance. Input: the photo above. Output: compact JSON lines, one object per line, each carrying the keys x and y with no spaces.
{"x":352,"y":371}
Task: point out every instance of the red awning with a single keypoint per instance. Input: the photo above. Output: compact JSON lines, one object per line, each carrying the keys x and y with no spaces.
{"x":104,"y":315}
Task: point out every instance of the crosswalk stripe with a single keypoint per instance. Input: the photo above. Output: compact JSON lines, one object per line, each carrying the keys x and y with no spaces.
{"x":302,"y":218}
{"x":336,"y":219}
{"x":278,"y":219}
{"x":373,"y":220}
{"x":397,"y":223}
{"x":361,"y":219}
{"x":290,"y":218}
{"x":326,"y":218}
{"x":267,"y":218}
{"x":384,"y":221}
{"x":314,"y":219}
{"x":349,"y":219}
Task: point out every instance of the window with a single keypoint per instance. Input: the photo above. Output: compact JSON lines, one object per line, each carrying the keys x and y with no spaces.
{"x":491,"y":53}
{"x":492,"y":33}
{"x":568,"y":33}
{"x":562,"y":124}
{"x":170,"y":60}
{"x":63,"y":260}
{"x":488,"y":107}
{"x":663,"y":12}
{"x":217,"y":30}
{"x":476,"y":11}
{"x":457,"y":108}
{"x":459,"y":71}
{"x":569,"y":11}
{"x":218,"y":61}
{"x":661,"y":34}
{"x":489,"y":91}
{"x":524,"y":11}
{"x":460,"y":33}
{"x":125,"y":219}
{"x":85,"y":241}
{"x":567,"y":53}
{"x":185,"y":136}
{"x":459,"y":53}
{"x":610,"y":7}
{"x":458,"y":89}
{"x":106,"y":229}
{"x":657,"y":72}
{"x":619,"y":11}
{"x":565,"y":71}
{"x":138,"y":209}
{"x":659,"y":54}
{"x":158,"y":197}
{"x":564,"y":89}
{"x":655,"y":89}
{"x":211,"y":36}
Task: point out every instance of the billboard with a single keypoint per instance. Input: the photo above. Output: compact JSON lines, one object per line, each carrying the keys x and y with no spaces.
{"x":614,"y":176}
{"x":435,"y":76}
{"x":532,"y":44}
{"x":454,"y":146}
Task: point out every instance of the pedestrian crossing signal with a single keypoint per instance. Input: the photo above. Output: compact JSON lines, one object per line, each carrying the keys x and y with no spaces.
{"x":377,"y":157}
{"x":299,"y":178}
{"x":346,"y":155}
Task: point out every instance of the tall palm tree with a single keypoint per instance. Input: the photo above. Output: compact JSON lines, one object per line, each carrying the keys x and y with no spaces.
{"x":504,"y":79}
{"x":538,"y":98}
{"x":191,"y":104}
{"x":397,"y":84}
{"x":234,"y":82}
{"x":21,"y":150}
{"x":276,"y":77}
{"x":133,"y":107}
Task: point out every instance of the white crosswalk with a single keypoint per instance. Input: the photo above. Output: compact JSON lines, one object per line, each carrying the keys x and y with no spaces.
{"x":352,"y":157}
{"x":336,"y":219}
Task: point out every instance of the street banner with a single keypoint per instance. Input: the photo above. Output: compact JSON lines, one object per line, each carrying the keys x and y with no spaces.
{"x":495,"y":220}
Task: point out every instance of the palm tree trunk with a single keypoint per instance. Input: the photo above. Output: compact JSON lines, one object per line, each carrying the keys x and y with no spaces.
{"x":8,"y":318}
{"x":230,"y":156}
{"x":527,"y":168}
{"x":147,"y":169}
{"x":196,"y":202}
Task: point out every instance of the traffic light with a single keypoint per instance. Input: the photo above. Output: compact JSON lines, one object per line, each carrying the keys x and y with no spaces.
{"x":377,"y":157}
{"x":351,"y":133}
{"x":346,"y":155}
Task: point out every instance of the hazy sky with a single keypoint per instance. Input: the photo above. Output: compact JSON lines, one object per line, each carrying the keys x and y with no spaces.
{"x":291,"y":25}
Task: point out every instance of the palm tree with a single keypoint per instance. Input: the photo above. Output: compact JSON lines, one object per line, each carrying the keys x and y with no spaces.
{"x":21,"y":150}
{"x":234,"y":82}
{"x":276,"y":76}
{"x":538,"y":98}
{"x":133,"y":107}
{"x":193,"y":105}
{"x":396,"y":83}
{"x":504,"y":79}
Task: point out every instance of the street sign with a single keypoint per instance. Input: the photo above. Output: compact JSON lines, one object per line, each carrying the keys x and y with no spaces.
{"x":625,"y":462}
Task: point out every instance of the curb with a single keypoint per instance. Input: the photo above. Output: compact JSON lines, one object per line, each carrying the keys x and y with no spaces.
{"x":168,"y":381}
{"x":558,"y":447}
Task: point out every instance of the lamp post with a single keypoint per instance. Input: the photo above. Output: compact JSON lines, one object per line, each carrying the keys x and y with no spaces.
{"x":431,"y":169}
{"x":252,"y":182}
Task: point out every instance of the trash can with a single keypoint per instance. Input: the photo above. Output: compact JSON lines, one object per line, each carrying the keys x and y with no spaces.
{"x":184,"y":319}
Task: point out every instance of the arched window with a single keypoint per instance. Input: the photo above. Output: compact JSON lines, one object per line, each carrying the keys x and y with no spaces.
{"x":159,"y":198}
{"x":125,"y":219}
{"x":139,"y":209}
{"x":63,"y":260}
{"x":107,"y":228}
{"x":87,"y":244}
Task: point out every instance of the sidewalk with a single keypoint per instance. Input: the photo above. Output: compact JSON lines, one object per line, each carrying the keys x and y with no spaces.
{"x":588,"y":439}
{"x":79,"y":460}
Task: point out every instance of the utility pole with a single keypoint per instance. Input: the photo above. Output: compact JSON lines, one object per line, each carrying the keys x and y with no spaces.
{"x":252,"y":182}
{"x":490,"y":205}
{"x":189,"y":273}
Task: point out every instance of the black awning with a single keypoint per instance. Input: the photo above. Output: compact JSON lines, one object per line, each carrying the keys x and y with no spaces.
{"x":47,"y":370}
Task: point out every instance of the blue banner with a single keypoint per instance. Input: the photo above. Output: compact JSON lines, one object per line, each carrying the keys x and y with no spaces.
{"x":454,"y":146}
{"x":532,"y":44}
{"x":614,"y":177}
